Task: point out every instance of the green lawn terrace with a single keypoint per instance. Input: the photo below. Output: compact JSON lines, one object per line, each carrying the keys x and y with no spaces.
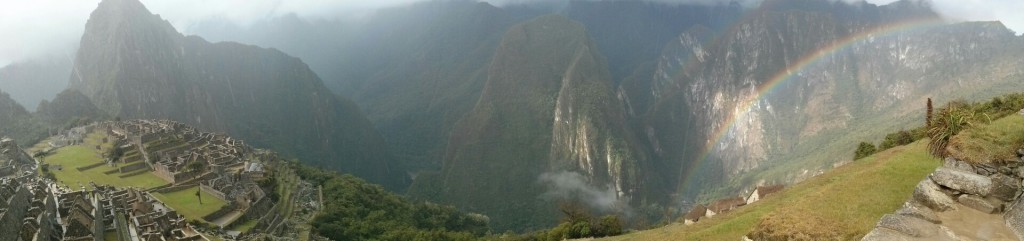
{"x":178,"y":165}
{"x":78,"y":165}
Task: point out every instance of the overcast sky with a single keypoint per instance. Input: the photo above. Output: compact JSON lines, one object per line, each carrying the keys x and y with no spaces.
{"x":33,"y":28}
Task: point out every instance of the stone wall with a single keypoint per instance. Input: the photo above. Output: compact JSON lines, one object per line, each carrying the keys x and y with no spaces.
{"x":174,"y":188}
{"x":10,"y":221}
{"x":992,"y":189}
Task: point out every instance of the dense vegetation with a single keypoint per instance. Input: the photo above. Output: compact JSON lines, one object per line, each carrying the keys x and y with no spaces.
{"x":357,"y":210}
{"x":947,"y":122}
{"x":577,"y":222}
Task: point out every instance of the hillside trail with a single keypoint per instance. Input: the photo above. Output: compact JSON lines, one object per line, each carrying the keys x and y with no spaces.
{"x":971,"y":224}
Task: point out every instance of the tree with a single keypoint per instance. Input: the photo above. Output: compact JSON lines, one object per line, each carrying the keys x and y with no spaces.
{"x":863,"y":150}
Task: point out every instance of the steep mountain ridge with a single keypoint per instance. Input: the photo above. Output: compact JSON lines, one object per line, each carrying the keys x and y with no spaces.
{"x":133,"y":64}
{"x":548,"y":105}
{"x":18,"y":123}
{"x":414,"y":69}
{"x":880,"y":74}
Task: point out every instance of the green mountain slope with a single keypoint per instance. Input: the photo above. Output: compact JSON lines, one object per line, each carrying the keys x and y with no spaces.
{"x":19,"y":124}
{"x":69,"y":108}
{"x":415,"y":70}
{"x":844,"y":203}
{"x":135,"y":65}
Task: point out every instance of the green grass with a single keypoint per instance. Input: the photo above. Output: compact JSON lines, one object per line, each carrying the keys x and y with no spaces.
{"x":187,"y":204}
{"x":246,"y":226}
{"x":843,"y":204}
{"x":110,"y":236}
{"x":72,"y":157}
{"x":988,"y":142}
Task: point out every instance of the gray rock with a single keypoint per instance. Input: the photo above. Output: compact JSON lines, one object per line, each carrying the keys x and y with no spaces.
{"x":885,"y":234}
{"x":980,"y":204}
{"x":928,"y":194}
{"x":907,"y":225}
{"x":1019,"y":171}
{"x":1004,"y":187}
{"x":985,"y":169}
{"x":1005,"y":170}
{"x":1014,"y":218}
{"x":913,"y":209}
{"x":953,"y":163}
{"x":916,"y":229}
{"x":1020,"y":152}
{"x":965,"y":182}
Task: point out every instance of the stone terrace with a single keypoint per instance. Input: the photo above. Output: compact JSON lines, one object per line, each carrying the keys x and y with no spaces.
{"x":961,"y":201}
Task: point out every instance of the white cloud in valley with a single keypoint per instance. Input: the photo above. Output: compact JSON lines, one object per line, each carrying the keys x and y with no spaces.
{"x":53,"y":27}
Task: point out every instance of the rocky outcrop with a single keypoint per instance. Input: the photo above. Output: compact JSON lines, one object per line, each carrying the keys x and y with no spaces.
{"x":921,"y":218}
{"x":962,"y":181}
{"x":930,"y":195}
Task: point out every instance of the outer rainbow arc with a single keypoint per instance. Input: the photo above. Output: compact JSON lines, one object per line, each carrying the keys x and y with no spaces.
{"x":795,"y":68}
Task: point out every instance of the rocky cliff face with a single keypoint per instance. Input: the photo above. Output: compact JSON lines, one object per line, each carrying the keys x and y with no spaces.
{"x":135,"y":65}
{"x":548,"y":105}
{"x":855,"y":65}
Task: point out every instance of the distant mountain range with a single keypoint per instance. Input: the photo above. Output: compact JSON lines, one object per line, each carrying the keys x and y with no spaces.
{"x":132,"y":64}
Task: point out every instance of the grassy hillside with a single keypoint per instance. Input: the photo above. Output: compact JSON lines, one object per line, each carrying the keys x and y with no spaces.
{"x":844,"y":203}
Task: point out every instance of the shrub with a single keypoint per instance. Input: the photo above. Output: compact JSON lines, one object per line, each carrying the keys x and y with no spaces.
{"x":863,"y":150}
{"x":895,"y":139}
{"x":952,"y":119}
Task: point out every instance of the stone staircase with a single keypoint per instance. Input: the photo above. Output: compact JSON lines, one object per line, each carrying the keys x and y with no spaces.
{"x":961,"y":201}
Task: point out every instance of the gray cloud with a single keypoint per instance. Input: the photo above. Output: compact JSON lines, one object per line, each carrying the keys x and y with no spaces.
{"x":569,"y":186}
{"x":52,"y":27}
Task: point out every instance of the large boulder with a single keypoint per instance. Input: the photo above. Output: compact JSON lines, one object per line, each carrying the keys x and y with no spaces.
{"x":1005,"y":187}
{"x":962,"y":181}
{"x":928,"y":194}
{"x":914,"y":209}
{"x":979,"y":203}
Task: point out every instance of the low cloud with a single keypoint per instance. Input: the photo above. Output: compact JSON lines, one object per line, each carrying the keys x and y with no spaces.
{"x":571,"y":186}
{"x":38,"y":28}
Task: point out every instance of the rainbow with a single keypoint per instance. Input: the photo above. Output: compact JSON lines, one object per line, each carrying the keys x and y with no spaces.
{"x":795,"y":68}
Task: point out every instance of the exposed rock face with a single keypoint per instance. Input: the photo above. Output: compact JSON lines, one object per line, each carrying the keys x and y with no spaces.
{"x":930,"y":195}
{"x":953,"y":163}
{"x":548,"y":105}
{"x":971,"y":190}
{"x":979,"y":203}
{"x":915,"y":227}
{"x":1005,"y":188}
{"x":914,"y":209}
{"x":133,"y":64}
{"x":963,"y":181}
{"x":1014,"y":218}
{"x":709,"y":92}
